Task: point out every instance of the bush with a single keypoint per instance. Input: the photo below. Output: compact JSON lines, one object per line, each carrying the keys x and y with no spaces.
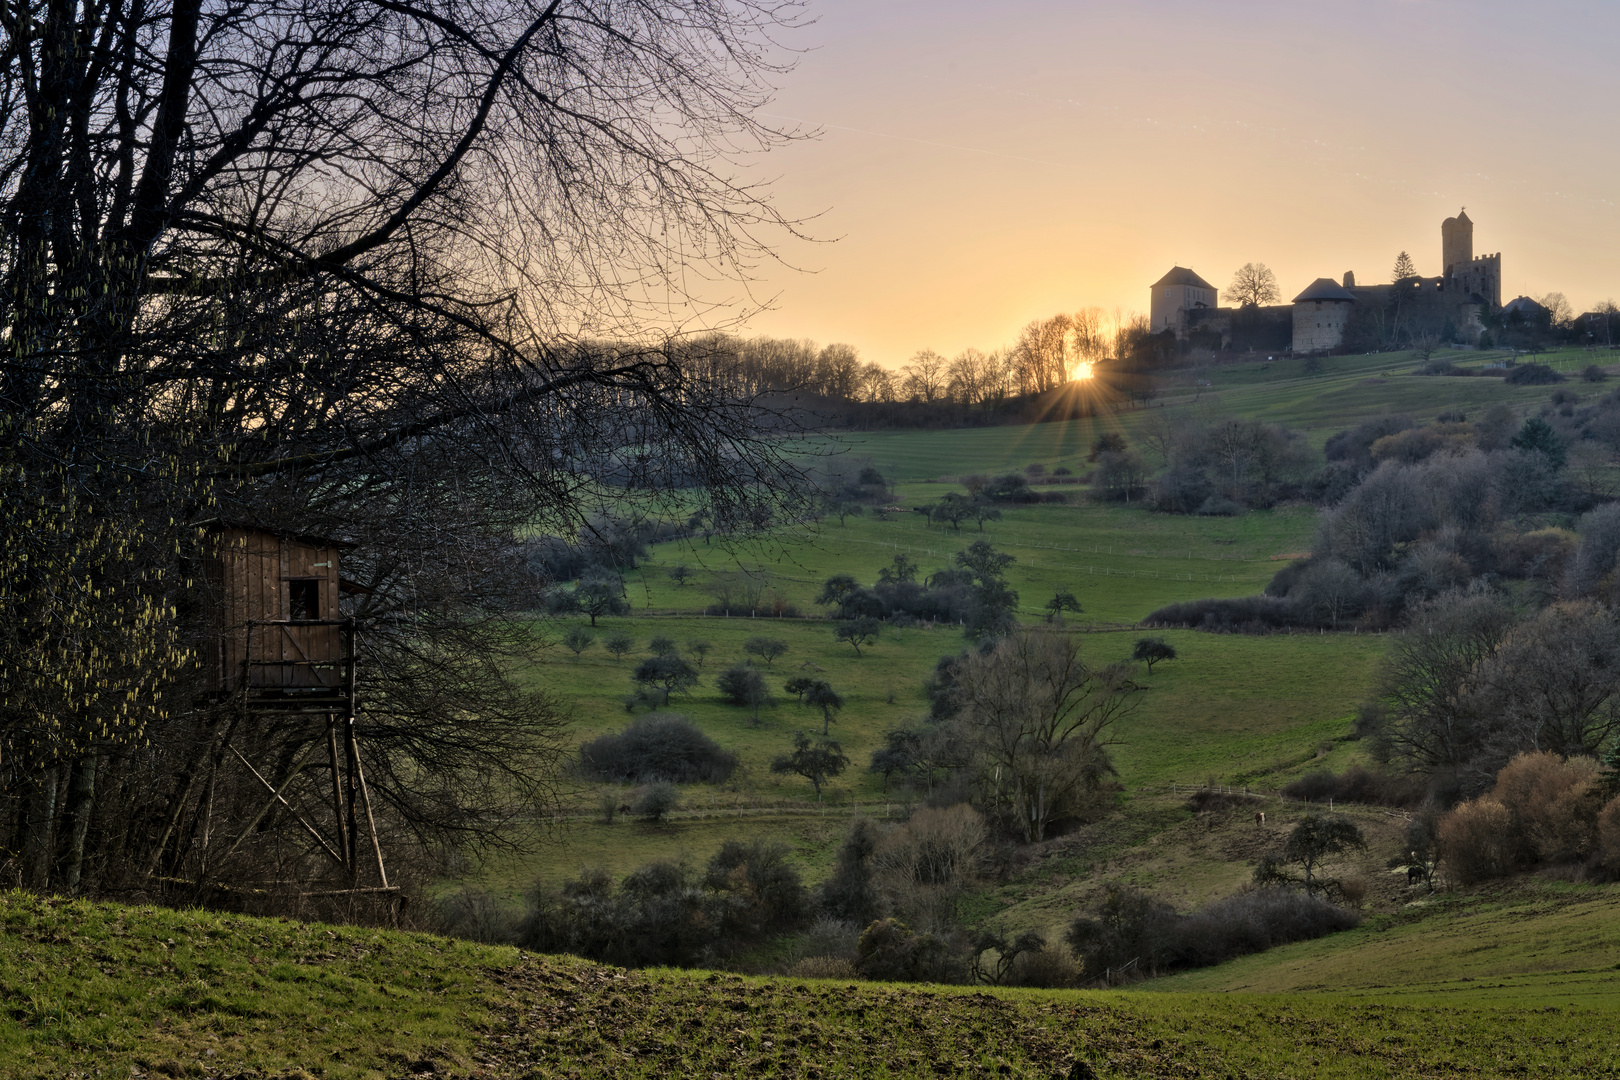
{"x":1532,"y":375}
{"x":1608,"y":825}
{"x":1243,"y":615}
{"x":1048,"y":969}
{"x":655,"y":801}
{"x":1595,"y":373}
{"x":1357,"y":785}
{"x":657,"y":747}
{"x":890,"y":951}
{"x":474,"y":915}
{"x":1477,"y":840}
{"x":823,"y":967}
{"x":1128,"y":925}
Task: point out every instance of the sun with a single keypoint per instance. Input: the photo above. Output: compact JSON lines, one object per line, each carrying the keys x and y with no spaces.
{"x":1082,"y":370}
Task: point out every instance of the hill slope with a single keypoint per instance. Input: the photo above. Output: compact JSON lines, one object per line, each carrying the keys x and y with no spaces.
{"x":104,"y":990}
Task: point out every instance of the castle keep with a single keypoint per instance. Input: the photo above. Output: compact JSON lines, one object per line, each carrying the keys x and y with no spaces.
{"x":1331,"y":314}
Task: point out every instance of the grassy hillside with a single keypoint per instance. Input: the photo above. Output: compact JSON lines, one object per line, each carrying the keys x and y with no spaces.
{"x":1524,"y":942}
{"x":1346,"y":391}
{"x":99,"y":990}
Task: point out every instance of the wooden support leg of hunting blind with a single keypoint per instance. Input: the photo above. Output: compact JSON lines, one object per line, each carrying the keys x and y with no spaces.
{"x":276,"y":795}
{"x":337,"y":787}
{"x":359,"y":792}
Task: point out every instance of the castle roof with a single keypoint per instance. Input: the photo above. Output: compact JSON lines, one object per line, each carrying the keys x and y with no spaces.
{"x":1522,"y":304}
{"x":1462,"y":218}
{"x":1325,"y":288}
{"x":1180,"y":275}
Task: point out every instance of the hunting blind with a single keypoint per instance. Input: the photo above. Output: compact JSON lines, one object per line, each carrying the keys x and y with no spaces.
{"x":283,"y":648}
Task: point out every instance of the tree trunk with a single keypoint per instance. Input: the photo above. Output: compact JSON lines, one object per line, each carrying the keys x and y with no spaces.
{"x":38,"y":839}
{"x":80,"y":804}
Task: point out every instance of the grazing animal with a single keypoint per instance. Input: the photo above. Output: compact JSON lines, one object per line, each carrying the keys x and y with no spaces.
{"x":1259,"y":817}
{"x":1415,"y":874}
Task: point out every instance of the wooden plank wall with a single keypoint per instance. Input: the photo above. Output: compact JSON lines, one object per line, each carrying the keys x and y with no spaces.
{"x":253,"y":571}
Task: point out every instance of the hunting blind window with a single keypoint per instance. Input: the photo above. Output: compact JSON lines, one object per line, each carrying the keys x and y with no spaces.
{"x":304,"y":598}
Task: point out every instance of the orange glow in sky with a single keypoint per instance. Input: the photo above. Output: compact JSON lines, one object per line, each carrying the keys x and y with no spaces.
{"x":1082,"y":370}
{"x":983,"y":165}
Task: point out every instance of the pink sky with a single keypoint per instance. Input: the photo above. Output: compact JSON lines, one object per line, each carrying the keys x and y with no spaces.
{"x":986,"y":164}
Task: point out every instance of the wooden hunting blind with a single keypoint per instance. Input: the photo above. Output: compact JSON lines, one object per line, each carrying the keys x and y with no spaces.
{"x":283,"y":647}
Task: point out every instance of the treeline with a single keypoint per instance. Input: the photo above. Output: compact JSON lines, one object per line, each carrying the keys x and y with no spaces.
{"x":974,"y":386}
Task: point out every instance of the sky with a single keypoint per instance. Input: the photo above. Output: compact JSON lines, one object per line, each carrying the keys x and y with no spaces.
{"x":980,"y":164}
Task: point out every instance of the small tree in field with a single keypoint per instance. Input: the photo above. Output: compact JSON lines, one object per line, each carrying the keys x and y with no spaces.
{"x":858,"y":632}
{"x":600,"y":592}
{"x":1314,"y":840}
{"x":578,"y":639}
{"x":661,"y":646}
{"x":667,"y":674}
{"x":698,"y":648}
{"x":817,"y":762}
{"x":766,"y":648}
{"x":1151,"y":650}
{"x":822,"y":696}
{"x":680,"y":573}
{"x":1061,"y":602}
{"x":619,"y":644}
{"x":741,"y":684}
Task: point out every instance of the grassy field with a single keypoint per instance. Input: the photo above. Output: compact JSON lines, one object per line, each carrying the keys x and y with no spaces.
{"x":1241,"y":709}
{"x":1522,"y":943}
{"x":98,"y":990}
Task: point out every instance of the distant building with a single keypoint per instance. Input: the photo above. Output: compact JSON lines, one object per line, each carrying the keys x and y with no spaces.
{"x":1321,"y":314}
{"x":1467,"y":289}
{"x":1176,"y":293}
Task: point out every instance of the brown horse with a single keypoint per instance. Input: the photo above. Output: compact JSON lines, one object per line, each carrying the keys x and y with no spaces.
{"x":1259,"y":817}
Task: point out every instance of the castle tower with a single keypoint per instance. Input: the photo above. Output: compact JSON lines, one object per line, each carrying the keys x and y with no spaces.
{"x":1456,"y":244}
{"x":1174,"y":295}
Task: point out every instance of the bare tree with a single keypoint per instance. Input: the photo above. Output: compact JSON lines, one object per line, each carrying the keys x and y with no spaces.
{"x":1038,"y":717}
{"x":926,"y":376}
{"x":1253,"y":285}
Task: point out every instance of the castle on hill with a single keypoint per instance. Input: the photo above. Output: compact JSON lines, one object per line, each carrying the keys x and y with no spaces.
{"x":1334,"y":315}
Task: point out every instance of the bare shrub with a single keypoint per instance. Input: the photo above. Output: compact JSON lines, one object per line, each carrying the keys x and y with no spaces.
{"x":829,"y":938}
{"x":823,"y":967}
{"x":1477,"y":840}
{"x":1608,"y":829}
{"x":1358,"y":785}
{"x":475,"y":915}
{"x":1551,"y":800}
{"x":922,"y":867}
{"x":1048,"y":969}
{"x":656,"y":800}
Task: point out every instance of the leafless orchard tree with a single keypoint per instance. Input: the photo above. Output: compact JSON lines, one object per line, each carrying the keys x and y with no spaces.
{"x":363,"y":267}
